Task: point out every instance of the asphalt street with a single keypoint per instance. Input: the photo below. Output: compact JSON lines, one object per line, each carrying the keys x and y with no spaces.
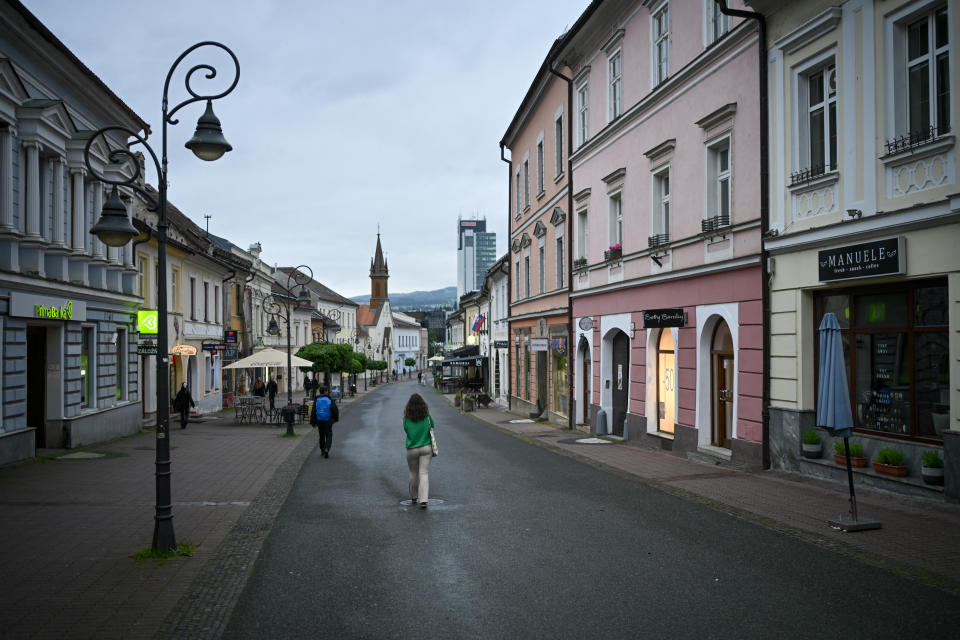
{"x":522,"y":542}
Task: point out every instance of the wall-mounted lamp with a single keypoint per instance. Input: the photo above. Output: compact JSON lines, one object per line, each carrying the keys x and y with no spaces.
{"x":854,"y":213}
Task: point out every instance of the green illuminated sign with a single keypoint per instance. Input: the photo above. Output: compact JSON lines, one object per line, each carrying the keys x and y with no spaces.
{"x":148,"y":321}
{"x":57,"y":313}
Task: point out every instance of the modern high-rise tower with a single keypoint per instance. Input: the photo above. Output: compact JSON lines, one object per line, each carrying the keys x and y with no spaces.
{"x":476,"y":253}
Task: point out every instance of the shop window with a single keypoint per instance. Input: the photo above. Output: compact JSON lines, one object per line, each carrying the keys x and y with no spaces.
{"x":666,"y":382}
{"x":559,"y":353}
{"x":121,"y":354}
{"x":895,"y":343}
{"x":88,"y":367}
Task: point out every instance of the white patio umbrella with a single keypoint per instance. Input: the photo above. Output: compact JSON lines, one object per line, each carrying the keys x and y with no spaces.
{"x":269,"y":358}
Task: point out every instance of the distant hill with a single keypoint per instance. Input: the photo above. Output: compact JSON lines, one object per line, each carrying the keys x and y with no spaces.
{"x":446,"y":297}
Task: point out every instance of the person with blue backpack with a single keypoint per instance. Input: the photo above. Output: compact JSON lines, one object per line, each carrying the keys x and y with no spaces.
{"x":324,"y":414}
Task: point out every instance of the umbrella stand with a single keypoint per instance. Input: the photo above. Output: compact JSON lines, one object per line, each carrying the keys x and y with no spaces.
{"x":852,"y":523}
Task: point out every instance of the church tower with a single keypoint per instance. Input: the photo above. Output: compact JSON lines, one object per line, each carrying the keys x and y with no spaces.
{"x":378,"y":278}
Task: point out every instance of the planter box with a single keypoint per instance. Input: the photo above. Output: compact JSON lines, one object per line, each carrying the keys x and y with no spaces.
{"x":932,"y":475}
{"x":812,"y":450}
{"x":468,"y":405}
{"x":613,"y":254}
{"x":898,"y":471}
{"x":855,"y":461}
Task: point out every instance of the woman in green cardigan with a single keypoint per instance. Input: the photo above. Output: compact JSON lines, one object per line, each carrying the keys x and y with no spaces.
{"x":417,"y":423}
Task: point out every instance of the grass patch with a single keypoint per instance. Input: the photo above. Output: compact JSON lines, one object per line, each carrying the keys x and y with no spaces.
{"x":290,"y":435}
{"x":183,"y":549}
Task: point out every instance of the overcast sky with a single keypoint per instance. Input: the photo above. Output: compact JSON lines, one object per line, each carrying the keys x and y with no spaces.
{"x":348,"y":115}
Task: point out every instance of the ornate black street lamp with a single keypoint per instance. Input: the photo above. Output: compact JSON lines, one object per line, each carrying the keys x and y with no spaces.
{"x":287,"y":302}
{"x":114,"y":229}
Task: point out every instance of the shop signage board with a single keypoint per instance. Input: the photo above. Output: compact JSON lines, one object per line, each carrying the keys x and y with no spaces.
{"x":211,"y":346}
{"x":147,"y":348}
{"x":148,"y":321}
{"x":31,"y":305}
{"x":660,"y":318}
{"x":501,"y":344}
{"x":864,"y":260}
{"x":539,"y":344}
{"x":230,"y":336}
{"x":231,"y":353}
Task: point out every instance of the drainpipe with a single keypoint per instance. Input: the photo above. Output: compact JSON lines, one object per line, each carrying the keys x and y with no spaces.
{"x":568,"y":272}
{"x":764,"y":218}
{"x":509,"y":273}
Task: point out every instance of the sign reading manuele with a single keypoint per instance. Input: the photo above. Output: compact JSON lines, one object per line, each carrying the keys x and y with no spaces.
{"x":31,"y":305}
{"x":659,"y":318}
{"x":865,"y":260}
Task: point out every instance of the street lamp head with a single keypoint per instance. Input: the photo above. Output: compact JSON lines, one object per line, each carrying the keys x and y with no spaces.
{"x":273,"y":329}
{"x":114,"y":228}
{"x":208,"y":142}
{"x":304,"y":297}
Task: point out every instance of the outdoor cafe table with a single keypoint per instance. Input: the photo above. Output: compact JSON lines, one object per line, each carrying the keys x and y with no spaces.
{"x":249,"y":409}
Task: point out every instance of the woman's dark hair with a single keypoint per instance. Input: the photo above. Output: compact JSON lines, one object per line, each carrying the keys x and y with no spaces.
{"x":416,"y":408}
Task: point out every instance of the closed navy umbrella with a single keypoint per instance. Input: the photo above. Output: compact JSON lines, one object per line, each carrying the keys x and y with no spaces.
{"x":833,"y":408}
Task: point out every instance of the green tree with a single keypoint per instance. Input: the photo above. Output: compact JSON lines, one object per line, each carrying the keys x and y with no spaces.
{"x":327,"y":357}
{"x":410,"y":362}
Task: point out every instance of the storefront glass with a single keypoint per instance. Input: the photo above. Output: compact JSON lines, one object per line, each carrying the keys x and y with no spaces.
{"x":559,"y":352}
{"x":899,"y":369}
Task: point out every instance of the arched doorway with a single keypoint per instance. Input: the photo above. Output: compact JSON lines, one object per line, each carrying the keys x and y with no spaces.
{"x":666,"y":382}
{"x":583,"y":354}
{"x":721,"y":387}
{"x":620,"y":375}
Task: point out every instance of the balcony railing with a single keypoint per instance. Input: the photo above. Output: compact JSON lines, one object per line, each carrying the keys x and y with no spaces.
{"x":714,"y":223}
{"x":659,"y":240}
{"x":611,"y":255}
{"x":803,"y":176}
{"x":912,"y":140}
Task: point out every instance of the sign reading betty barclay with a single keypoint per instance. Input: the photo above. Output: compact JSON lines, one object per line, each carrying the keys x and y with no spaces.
{"x":865,"y":260}
{"x":658,"y":318}
{"x":31,"y":305}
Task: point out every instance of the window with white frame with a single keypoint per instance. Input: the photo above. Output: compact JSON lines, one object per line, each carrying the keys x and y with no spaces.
{"x":558,"y":142}
{"x":542,"y":263}
{"x":717,"y":22}
{"x":660,"y":41}
{"x":516,"y":276}
{"x":616,"y":219}
{"x":817,"y":126}
{"x":560,"y":261}
{"x":615,"y":77}
{"x":208,"y":373}
{"x":583,"y":233}
{"x":526,"y":272}
{"x":519,"y":208}
{"x":661,"y":205}
{"x":174,"y":302}
{"x":526,"y":183}
{"x":583,"y":112}
{"x":540,"y":165}
{"x":928,"y":73}
{"x":142,"y":284}
{"x":718,"y":184}
{"x":193,"y":298}
{"x":216,"y":303}
{"x":122,"y":364}
{"x":206,"y":302}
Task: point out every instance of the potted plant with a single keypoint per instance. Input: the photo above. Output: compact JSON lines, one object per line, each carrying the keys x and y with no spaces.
{"x":931,"y":468}
{"x":456,"y":398}
{"x":468,"y":401}
{"x":856,"y":454}
{"x":812,"y":448}
{"x":889,"y":462}
{"x":580,"y":263}
{"x":615,"y":252}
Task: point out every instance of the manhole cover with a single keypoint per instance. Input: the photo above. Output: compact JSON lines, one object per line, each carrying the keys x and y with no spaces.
{"x":83,"y":455}
{"x":432,"y":502}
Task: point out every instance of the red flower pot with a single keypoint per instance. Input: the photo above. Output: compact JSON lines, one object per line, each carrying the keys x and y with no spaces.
{"x":896,"y":470}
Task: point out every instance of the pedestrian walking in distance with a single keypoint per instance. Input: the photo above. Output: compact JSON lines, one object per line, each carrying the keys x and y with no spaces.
{"x":271,"y":391}
{"x":182,"y":403}
{"x":324,"y":414}
{"x":258,"y":388}
{"x":417,"y":423}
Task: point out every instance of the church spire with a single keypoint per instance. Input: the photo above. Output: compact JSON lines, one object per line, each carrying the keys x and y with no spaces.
{"x":378,"y":277}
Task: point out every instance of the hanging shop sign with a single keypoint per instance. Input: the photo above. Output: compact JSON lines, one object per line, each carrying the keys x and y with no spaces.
{"x":231,"y":353}
{"x":183,"y":350}
{"x":213,"y":346}
{"x":230,"y":336}
{"x":31,"y":305}
{"x":865,"y":260}
{"x":660,"y":318}
{"x":501,"y":344}
{"x":539,"y":344}
{"x":585,"y":323}
{"x":148,"y":321}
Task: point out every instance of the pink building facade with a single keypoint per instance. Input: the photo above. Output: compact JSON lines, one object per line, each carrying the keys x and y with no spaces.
{"x":666,"y":276}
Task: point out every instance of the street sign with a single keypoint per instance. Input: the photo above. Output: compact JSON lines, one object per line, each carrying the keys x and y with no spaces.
{"x":230,"y":336}
{"x":539,"y":344}
{"x":148,"y":321}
